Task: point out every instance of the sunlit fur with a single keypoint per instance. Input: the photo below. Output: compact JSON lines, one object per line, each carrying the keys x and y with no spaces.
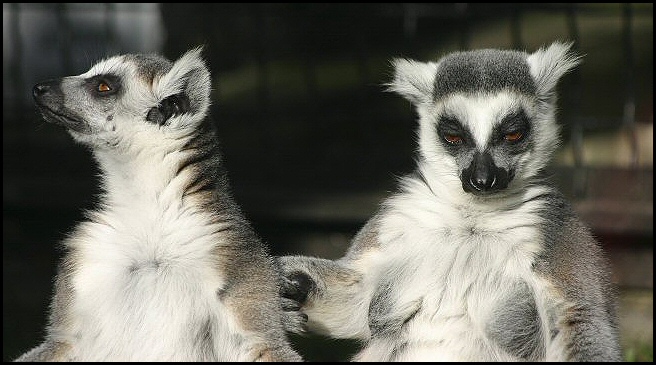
{"x":166,"y":268}
{"x":441,"y":274}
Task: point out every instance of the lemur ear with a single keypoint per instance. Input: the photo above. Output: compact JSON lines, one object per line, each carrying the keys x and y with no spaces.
{"x":549,"y":64}
{"x":413,"y":80}
{"x":188,"y":84}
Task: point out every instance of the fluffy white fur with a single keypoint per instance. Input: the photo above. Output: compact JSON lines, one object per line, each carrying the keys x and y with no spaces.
{"x":413,"y":79}
{"x":549,"y":64}
{"x":458,"y":259}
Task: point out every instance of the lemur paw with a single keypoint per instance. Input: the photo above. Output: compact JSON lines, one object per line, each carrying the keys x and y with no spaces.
{"x":294,"y":291}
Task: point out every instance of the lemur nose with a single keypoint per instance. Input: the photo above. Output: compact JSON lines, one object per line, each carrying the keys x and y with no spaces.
{"x":483,"y":183}
{"x":40,"y":89}
{"x":483,"y":175}
{"x":46,"y":87}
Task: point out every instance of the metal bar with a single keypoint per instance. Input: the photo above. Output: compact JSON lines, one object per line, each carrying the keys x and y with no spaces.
{"x":61,"y":13}
{"x":15,"y":65}
{"x":628,"y":117}
{"x":463,"y":14}
{"x":516,"y":26}
{"x":111,"y":45}
{"x":261,"y":54}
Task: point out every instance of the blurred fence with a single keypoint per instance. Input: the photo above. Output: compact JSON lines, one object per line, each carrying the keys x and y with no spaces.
{"x":46,"y":40}
{"x":298,"y":89}
{"x":312,"y":142}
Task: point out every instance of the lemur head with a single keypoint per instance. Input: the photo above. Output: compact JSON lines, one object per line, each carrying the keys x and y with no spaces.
{"x":128,"y":99}
{"x":486,"y":117}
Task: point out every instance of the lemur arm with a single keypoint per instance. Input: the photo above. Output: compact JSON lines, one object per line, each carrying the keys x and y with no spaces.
{"x":578,"y":263}
{"x":331,"y":293}
{"x":334,"y":294}
{"x":591,"y":320}
{"x":594,"y":338}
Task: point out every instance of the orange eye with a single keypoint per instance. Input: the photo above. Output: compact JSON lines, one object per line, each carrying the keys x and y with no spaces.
{"x":103,"y":87}
{"x":513,"y":137}
{"x":453,"y":139}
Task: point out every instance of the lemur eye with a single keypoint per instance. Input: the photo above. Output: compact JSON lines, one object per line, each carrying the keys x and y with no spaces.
{"x":513,"y":136}
{"x":175,"y":104}
{"x":103,"y":87}
{"x":453,"y":139}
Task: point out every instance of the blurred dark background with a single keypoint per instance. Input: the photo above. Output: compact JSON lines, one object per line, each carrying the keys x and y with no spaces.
{"x":312,"y":142}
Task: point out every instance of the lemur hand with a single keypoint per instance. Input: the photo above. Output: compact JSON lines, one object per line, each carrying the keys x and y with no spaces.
{"x":295,"y":288}
{"x":294,"y":292}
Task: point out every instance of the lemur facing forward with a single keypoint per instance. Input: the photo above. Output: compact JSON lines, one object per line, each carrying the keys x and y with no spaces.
{"x":476,"y":258}
{"x":167,"y":268}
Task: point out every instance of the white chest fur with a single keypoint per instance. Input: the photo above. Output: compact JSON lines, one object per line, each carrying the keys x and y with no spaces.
{"x":459,"y":267}
{"x":146,"y":290}
{"x":146,"y":276}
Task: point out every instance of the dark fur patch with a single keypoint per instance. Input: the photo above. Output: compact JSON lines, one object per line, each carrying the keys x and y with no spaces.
{"x":398,"y":350}
{"x":516,"y":325}
{"x":150,"y":66}
{"x":209,"y":179}
{"x":114,"y":82}
{"x":378,"y":307}
{"x":171,"y":106}
{"x":204,"y":339}
{"x":485,"y":70}
{"x":382,"y":321}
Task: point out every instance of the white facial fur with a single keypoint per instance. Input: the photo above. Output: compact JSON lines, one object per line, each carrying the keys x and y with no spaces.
{"x":128,"y":110}
{"x":480,"y":112}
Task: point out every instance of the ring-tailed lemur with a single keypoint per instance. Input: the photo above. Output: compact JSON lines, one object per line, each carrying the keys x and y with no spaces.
{"x":167,"y":268}
{"x":476,"y":257}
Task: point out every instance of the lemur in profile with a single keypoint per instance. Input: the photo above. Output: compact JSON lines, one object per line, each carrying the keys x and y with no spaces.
{"x":167,"y":268}
{"x":476,"y":257}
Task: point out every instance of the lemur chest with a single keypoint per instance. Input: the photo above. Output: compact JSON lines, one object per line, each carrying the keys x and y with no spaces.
{"x":469,"y":290}
{"x":136,"y":280}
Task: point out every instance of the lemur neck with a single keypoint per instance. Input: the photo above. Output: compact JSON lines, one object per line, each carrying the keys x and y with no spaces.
{"x":163,"y":173}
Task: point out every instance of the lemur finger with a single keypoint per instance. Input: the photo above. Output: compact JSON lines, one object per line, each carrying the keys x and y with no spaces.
{"x":290,"y":305}
{"x":288,"y":288}
{"x":295,"y":322}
